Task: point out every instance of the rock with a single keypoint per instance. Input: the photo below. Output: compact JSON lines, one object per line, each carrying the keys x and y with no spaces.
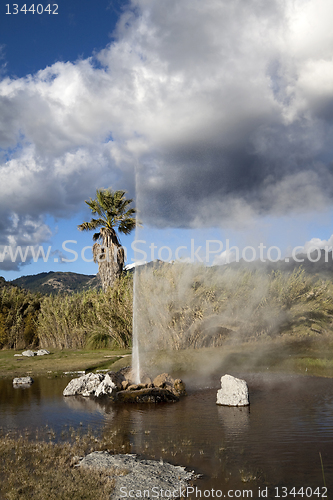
{"x":136,"y":387}
{"x":124,"y":385}
{"x":42,"y":352}
{"x":146,"y":381}
{"x":92,"y":384}
{"x":154,"y":395}
{"x":22,"y":381}
{"x":179,"y":387}
{"x":127,"y":373}
{"x":164,"y":380}
{"x":117,"y":386}
{"x":233,"y":392}
{"x":84,"y":386}
{"x":135,"y":476}
{"x":28,"y":353}
{"x":17,"y":354}
{"x":106,"y":387}
{"x":117,"y":379}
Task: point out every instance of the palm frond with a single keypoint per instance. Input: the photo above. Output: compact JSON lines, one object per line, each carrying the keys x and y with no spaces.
{"x":93,"y":224}
{"x":97,"y":236}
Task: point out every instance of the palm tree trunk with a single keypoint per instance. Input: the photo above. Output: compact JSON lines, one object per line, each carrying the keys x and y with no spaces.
{"x":110,"y":259}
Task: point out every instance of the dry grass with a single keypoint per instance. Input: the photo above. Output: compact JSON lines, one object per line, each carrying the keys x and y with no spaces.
{"x":89,"y":319}
{"x":37,"y":467}
{"x":184,"y":306}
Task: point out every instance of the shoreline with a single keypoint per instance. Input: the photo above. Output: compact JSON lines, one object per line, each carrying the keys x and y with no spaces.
{"x":308,"y":356}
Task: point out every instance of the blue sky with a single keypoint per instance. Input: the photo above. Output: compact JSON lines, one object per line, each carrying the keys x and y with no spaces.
{"x":215,"y":117}
{"x":31,"y":42}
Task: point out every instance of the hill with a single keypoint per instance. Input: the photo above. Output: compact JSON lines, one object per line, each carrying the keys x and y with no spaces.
{"x":321,"y":267}
{"x":57,"y":282}
{"x":68,"y":282}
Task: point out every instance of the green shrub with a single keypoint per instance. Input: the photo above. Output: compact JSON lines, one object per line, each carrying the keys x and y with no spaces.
{"x":18,"y":315}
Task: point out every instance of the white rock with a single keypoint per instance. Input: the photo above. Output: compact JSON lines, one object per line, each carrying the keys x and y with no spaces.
{"x":84,"y":386}
{"x":17,"y":354}
{"x":22,"y":381}
{"x":28,"y":353}
{"x":42,"y":352}
{"x":140,"y":476}
{"x":233,"y":392}
{"x":106,"y":387}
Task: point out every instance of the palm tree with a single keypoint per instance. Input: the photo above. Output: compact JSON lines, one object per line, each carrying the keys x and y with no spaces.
{"x":112,"y":212}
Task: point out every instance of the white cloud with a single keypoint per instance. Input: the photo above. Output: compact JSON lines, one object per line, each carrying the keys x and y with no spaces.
{"x":314,"y":243}
{"x":226,"y":257}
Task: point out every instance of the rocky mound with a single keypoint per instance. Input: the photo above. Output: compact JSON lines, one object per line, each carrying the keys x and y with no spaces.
{"x":120,"y":387}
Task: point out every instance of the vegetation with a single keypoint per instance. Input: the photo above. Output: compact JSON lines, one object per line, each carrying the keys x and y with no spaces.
{"x":185,"y":306}
{"x":112,"y":211}
{"x":19,"y":312}
{"x":38,"y":467}
{"x":180,"y":306}
{"x":69,"y":321}
{"x":92,"y":319}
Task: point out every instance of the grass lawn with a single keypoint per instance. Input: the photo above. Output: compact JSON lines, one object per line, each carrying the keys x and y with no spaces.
{"x":60,"y":361}
{"x":310,"y":356}
{"x":305,"y":357}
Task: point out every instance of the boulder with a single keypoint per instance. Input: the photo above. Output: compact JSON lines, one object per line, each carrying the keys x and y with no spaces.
{"x":84,"y":386}
{"x":124,"y":385}
{"x":42,"y":352}
{"x":127,"y":373}
{"x":28,"y":353}
{"x":146,"y":380}
{"x":164,"y":381}
{"x":117,"y":379}
{"x":134,"y":477}
{"x":233,"y":392}
{"x":179,"y":387}
{"x":22,"y":381}
{"x":106,"y":387}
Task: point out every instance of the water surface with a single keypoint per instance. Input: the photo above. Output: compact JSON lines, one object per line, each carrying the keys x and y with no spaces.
{"x":274,"y":442}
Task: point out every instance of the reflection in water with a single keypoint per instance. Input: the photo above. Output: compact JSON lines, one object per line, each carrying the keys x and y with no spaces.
{"x":275,"y":441}
{"x":89,"y":405}
{"x":234,"y":420}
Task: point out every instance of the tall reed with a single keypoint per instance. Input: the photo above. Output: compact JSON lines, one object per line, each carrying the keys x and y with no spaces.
{"x":90,"y":318}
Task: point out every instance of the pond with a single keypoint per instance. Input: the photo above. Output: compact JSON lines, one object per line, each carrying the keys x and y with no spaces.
{"x":274,"y":443}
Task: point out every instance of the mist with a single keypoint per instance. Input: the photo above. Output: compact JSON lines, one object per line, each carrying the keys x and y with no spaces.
{"x":201,"y":321}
